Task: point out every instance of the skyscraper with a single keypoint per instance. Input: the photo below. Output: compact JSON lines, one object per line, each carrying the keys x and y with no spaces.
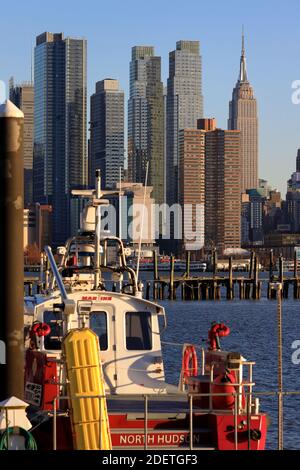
{"x":192,"y":187}
{"x":184,"y":105}
{"x":222,"y":188}
{"x":60,"y":150}
{"x":146,"y":120}
{"x":23,"y":97}
{"x":243,"y":117}
{"x":107,"y":131}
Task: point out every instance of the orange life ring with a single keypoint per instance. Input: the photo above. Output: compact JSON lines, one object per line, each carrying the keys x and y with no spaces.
{"x":189,"y":362}
{"x":41,"y":329}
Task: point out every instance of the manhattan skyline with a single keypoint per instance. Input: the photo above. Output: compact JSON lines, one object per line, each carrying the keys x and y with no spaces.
{"x":271,"y":34}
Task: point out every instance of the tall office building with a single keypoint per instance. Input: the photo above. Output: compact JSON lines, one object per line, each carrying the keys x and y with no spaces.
{"x":184,"y":105}
{"x":222,"y":188}
{"x":60,"y":148}
{"x":107,"y":132}
{"x":243,"y":117}
{"x":192,"y":187}
{"x":23,"y":97}
{"x":146,"y":120}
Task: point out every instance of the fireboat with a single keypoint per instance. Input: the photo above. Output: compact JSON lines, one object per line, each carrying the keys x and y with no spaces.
{"x":94,"y":368}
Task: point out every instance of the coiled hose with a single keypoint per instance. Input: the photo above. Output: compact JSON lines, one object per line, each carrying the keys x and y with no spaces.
{"x":30,"y":443}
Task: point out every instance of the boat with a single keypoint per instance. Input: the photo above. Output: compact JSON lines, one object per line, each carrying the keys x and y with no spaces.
{"x":163,"y":264}
{"x":212,"y":407}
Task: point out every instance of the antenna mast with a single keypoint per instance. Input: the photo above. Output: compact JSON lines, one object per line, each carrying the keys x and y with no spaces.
{"x":142,"y":224}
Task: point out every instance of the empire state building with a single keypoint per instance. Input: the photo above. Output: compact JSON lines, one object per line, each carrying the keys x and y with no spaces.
{"x":243,"y":117}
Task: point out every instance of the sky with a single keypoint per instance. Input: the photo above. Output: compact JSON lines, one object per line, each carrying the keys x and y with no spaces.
{"x":272,"y":40}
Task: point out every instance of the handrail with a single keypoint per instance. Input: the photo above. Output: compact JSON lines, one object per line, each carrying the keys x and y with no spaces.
{"x":190,"y":409}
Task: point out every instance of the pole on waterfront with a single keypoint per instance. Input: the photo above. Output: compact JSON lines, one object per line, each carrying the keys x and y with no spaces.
{"x":187,"y":263}
{"x":271,"y":263}
{"x":172,"y":267}
{"x":215,"y":261}
{"x":281,"y":269}
{"x":251,"y":265}
{"x":295,"y":264}
{"x":11,"y":242}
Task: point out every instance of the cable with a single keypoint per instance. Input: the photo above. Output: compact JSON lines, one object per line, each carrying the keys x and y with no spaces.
{"x":30,"y":443}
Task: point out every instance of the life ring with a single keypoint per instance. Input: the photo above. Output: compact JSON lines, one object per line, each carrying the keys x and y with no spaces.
{"x":189,"y":362}
{"x":41,"y":329}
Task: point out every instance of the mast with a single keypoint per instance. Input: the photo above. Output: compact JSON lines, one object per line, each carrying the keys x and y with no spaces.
{"x":243,"y":67}
{"x":97,"y":230}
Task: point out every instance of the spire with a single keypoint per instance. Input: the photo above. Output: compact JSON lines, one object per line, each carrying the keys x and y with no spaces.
{"x":243,"y":67}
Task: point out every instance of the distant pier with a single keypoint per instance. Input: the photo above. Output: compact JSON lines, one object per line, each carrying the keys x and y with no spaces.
{"x":171,"y":286}
{"x":215,"y":287}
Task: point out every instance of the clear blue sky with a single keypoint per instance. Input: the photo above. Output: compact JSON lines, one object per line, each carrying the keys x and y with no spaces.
{"x":113,"y":27}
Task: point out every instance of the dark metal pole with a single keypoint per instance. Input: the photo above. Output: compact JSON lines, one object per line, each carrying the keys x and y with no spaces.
{"x":11,"y":242}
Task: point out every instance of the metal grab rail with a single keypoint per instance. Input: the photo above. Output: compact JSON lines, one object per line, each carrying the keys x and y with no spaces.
{"x":190,"y":409}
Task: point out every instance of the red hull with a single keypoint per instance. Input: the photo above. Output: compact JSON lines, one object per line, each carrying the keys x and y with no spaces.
{"x":210,"y":431}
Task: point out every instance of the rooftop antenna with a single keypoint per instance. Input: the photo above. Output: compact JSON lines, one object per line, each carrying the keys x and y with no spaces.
{"x":142,"y":224}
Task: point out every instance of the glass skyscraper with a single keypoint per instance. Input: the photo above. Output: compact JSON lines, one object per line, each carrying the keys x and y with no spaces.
{"x":60,"y":150}
{"x":107,"y":132}
{"x":146,"y":120}
{"x":23,"y":97}
{"x":184,"y":106}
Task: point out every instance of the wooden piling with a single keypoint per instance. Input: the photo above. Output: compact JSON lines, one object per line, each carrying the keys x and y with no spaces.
{"x":241,"y":289}
{"x":188,"y":263}
{"x":251,"y":265}
{"x":155,"y":265}
{"x":280,"y":268}
{"x":171,"y":285}
{"x":183,"y":293}
{"x":295,"y":265}
{"x":285,"y":290}
{"x":271,"y":264}
{"x":230,"y":283}
{"x":255,"y":279}
{"x":215,"y":262}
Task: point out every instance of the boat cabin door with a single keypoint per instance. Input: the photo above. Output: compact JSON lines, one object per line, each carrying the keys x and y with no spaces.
{"x":100,"y":318}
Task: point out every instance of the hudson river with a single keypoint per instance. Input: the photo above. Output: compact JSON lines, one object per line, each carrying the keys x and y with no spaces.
{"x":253,"y":327}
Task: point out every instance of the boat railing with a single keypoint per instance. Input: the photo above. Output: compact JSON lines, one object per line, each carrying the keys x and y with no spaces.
{"x":191,"y":410}
{"x":208,"y":368}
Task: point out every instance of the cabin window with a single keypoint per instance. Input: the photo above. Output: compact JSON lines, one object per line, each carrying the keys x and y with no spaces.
{"x":138,"y":331}
{"x":98,"y":323}
{"x":54,"y":320}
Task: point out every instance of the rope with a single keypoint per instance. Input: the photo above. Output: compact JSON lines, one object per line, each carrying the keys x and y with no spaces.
{"x":169,"y":343}
{"x":30,"y":443}
{"x":280,"y":381}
